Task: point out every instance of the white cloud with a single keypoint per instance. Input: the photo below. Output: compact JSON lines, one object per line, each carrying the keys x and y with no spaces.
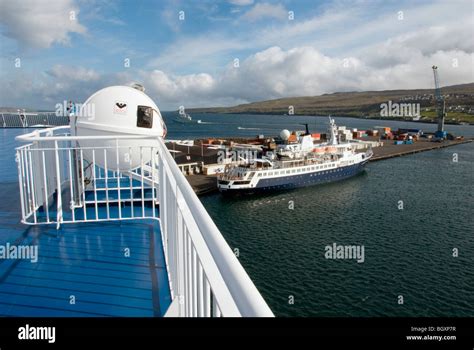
{"x":423,"y":42}
{"x":241,"y":2}
{"x":285,"y":60}
{"x":336,"y":29}
{"x":268,"y":74}
{"x":40,"y":23}
{"x":305,"y":71}
{"x":344,"y":26}
{"x":178,"y":90}
{"x":37,"y":89}
{"x":265,"y":10}
{"x":197,"y":52}
{"x":62,"y":72}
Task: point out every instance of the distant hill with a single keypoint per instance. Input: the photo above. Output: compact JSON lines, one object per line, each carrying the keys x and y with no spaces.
{"x":359,"y":104}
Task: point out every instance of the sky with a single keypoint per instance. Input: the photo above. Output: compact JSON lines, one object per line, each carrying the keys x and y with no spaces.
{"x":202,"y":53}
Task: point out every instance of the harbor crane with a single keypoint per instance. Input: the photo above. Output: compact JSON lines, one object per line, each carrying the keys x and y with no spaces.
{"x":440,"y":106}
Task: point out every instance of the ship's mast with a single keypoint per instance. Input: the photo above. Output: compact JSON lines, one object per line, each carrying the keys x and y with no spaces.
{"x":333,"y":132}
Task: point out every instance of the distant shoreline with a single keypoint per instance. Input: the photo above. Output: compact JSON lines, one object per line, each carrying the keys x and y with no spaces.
{"x":447,"y":122}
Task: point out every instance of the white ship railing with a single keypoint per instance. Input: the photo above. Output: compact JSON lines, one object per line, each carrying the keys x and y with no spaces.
{"x":31,"y":120}
{"x":60,"y":185}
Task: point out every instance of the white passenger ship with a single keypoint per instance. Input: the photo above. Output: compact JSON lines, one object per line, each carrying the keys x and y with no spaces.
{"x":295,"y":165}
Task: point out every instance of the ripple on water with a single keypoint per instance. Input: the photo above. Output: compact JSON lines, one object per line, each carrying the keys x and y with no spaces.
{"x":407,"y":252}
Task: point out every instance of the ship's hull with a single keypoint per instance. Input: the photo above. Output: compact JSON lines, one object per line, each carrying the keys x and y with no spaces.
{"x":184,"y":121}
{"x":300,"y":180}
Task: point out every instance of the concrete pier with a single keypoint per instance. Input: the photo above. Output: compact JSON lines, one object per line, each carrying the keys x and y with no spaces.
{"x":390,"y":150}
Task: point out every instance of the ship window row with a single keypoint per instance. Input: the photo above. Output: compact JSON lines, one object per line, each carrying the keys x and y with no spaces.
{"x":293,"y":171}
{"x":298,"y":170}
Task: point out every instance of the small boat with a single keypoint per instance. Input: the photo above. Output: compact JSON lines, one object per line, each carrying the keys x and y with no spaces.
{"x":185,"y":118}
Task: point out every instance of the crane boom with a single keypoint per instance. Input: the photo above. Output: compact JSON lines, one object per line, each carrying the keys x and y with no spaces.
{"x":440,"y":102}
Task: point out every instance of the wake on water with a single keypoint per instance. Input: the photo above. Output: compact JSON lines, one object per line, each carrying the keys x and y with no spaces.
{"x":241,"y":128}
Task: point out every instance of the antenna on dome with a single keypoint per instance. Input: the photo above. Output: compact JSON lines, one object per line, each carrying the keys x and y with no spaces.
{"x":139,"y":87}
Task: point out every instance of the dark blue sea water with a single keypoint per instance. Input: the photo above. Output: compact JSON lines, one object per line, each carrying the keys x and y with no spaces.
{"x":408,"y":252}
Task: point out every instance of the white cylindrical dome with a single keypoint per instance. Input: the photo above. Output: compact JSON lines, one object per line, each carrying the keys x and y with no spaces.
{"x":118,"y":111}
{"x":285,"y":134}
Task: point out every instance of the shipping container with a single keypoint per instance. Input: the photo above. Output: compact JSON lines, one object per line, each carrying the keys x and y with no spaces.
{"x":372,"y":132}
{"x":411,"y":131}
{"x":402,"y":137}
{"x":292,"y":138}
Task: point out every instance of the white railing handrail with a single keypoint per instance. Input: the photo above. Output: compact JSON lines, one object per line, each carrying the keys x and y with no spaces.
{"x":36,"y":136}
{"x":233,"y":290}
{"x":36,"y":133}
{"x":244,"y":292}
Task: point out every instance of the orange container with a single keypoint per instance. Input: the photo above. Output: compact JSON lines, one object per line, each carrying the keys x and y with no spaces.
{"x":292,"y":138}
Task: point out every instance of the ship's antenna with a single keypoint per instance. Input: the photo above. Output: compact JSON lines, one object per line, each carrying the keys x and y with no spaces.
{"x":333,"y":131}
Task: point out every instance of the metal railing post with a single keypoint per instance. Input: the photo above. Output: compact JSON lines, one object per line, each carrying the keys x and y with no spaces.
{"x":59,"y":202}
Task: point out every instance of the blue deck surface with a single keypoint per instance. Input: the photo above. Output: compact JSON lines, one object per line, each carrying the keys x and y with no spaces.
{"x":86,"y":263}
